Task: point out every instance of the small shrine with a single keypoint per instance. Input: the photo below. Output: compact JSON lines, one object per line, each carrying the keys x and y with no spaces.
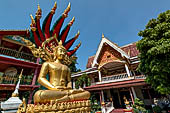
{"x":13,"y":103}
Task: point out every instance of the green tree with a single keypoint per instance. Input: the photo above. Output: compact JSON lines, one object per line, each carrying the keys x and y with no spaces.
{"x":154,"y":50}
{"x":83,"y":79}
{"x":138,"y":106}
{"x":72,"y":66}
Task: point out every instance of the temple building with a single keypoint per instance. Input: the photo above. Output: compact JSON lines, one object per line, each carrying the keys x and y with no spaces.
{"x":114,"y":76}
{"x":15,"y":56}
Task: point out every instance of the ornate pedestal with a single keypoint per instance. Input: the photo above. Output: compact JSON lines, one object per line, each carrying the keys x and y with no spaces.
{"x":58,"y":107}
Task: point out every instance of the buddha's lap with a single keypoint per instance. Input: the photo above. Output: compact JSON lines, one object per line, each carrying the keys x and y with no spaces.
{"x":53,"y":94}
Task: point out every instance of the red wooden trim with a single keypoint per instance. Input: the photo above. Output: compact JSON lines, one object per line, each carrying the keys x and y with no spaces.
{"x":13,"y":61}
{"x":30,"y":97}
{"x":127,"y":83}
{"x":22,"y":87}
{"x":13,"y":32}
{"x":35,"y":75}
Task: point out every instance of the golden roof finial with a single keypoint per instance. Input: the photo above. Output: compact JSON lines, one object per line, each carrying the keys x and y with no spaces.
{"x":102,"y":35}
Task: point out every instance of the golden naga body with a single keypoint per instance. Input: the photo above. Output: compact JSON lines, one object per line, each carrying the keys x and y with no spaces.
{"x":52,"y":48}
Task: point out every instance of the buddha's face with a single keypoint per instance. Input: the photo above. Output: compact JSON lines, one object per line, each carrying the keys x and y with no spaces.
{"x":60,"y":53}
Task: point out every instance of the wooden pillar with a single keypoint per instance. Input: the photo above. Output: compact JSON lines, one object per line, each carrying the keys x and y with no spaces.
{"x":38,"y":60}
{"x":34,"y":80}
{"x":30,"y":97}
{"x":150,"y":96}
{"x":36,"y":72}
{"x":133,"y":91}
{"x":102,"y":96}
{"x":0,"y":40}
{"x":131,"y":95}
{"x":119,"y":97}
{"x":35,"y":75}
{"x":100,"y":76}
{"x":127,"y":70}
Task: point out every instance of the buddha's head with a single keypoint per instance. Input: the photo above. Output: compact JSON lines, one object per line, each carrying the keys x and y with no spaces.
{"x":60,"y":52}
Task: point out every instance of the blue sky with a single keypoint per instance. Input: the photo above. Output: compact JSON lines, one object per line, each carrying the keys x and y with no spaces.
{"x":119,"y":20}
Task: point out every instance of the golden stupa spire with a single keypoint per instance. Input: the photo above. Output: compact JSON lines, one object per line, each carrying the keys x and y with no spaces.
{"x":16,"y":93}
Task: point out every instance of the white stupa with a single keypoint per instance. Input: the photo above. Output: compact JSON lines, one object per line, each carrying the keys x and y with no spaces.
{"x":12,"y":104}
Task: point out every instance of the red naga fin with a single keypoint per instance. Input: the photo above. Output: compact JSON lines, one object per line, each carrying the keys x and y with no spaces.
{"x":47,"y":22}
{"x":70,"y":53}
{"x":69,"y":43}
{"x":37,"y":19}
{"x":58,"y":24}
{"x":65,"y":31}
{"x":33,"y":29}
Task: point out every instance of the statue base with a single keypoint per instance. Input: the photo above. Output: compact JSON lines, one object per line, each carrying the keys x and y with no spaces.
{"x":82,"y":106}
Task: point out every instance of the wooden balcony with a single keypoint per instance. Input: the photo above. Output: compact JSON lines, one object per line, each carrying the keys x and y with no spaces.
{"x":17,"y":54}
{"x":22,"y":87}
{"x":118,"y":78}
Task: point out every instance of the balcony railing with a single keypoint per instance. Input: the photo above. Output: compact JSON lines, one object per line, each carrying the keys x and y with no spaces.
{"x":119,"y":77}
{"x":140,"y":77}
{"x":115,"y":77}
{"x":16,"y":54}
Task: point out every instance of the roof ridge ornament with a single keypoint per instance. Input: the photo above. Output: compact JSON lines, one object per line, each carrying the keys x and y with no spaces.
{"x":103,"y":35}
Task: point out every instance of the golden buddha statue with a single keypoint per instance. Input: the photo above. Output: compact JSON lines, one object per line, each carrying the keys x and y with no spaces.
{"x":51,"y":46}
{"x":59,"y":86}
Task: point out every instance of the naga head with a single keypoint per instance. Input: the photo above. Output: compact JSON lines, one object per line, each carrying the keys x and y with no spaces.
{"x":52,"y":39}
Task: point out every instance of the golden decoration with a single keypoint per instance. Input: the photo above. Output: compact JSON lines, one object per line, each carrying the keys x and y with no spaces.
{"x":55,"y":107}
{"x":59,"y":96}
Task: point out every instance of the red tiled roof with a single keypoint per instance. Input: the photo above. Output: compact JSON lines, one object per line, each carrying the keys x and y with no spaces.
{"x":15,"y":32}
{"x":130,"y":49}
{"x":90,"y":61}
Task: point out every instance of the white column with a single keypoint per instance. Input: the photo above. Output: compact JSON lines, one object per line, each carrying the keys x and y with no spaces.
{"x":74,"y":84}
{"x":100,"y":76}
{"x":127,"y":70}
{"x":102,"y":95}
{"x":133,"y":91}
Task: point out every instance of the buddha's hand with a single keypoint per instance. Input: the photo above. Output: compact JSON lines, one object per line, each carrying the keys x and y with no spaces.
{"x":57,"y":88}
{"x":68,"y":88}
{"x":81,"y":89}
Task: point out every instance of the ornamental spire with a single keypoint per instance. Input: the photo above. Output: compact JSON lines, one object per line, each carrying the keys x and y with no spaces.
{"x":15,"y":93}
{"x":102,"y":35}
